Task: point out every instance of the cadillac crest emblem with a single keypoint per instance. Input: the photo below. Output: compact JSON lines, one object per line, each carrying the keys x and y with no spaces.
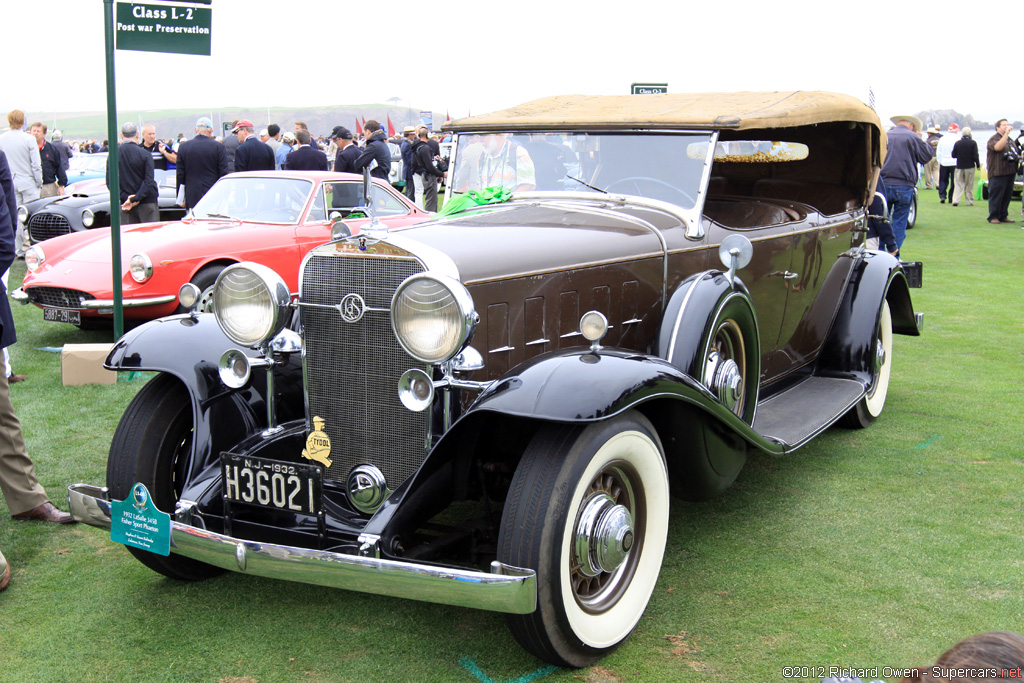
{"x":318,"y":444}
{"x":352,"y":307}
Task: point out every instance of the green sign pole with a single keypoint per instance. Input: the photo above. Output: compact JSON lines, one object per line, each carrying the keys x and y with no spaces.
{"x":115,"y":181}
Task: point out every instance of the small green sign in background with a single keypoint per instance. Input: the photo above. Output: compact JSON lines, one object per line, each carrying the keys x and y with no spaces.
{"x":163,"y":28}
{"x":137,"y":522}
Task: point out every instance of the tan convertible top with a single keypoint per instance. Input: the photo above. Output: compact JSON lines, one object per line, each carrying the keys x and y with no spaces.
{"x":736,"y":111}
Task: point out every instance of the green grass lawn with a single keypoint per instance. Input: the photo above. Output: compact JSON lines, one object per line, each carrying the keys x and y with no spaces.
{"x":864,"y":549}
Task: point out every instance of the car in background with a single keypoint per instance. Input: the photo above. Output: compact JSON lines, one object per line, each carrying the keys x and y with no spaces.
{"x":86,"y":167}
{"x":1018,"y":186}
{"x":273,"y":218}
{"x":490,"y":409}
{"x":88,"y":207}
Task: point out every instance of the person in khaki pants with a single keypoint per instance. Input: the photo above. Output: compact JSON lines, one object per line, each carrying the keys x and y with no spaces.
{"x":26,"y":499}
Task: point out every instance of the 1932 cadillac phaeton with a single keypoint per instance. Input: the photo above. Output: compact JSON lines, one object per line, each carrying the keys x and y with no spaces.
{"x":627,"y":296}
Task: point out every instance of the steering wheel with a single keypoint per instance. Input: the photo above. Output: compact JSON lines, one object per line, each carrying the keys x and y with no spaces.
{"x":638,"y":179}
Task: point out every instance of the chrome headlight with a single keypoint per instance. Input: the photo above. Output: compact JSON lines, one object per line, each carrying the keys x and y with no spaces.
{"x":88,"y":218}
{"x":22,"y":215}
{"x":433,"y":317}
{"x":140,"y":267}
{"x":34,"y":258}
{"x":251,"y":303}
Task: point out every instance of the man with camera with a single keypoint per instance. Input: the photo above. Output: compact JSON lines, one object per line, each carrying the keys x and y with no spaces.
{"x":1002,"y":162}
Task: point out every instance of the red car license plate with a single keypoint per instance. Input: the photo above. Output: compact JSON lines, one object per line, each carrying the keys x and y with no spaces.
{"x":272,"y":484}
{"x":62,"y":315}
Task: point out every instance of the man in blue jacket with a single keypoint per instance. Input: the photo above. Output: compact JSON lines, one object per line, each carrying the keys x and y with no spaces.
{"x":252,"y":155}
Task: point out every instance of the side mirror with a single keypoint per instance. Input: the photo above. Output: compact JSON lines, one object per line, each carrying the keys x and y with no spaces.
{"x":735,"y":253}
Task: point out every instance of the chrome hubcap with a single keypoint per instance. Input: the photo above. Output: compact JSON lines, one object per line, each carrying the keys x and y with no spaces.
{"x":724,"y":379}
{"x":879,"y":356}
{"x":604,"y":535}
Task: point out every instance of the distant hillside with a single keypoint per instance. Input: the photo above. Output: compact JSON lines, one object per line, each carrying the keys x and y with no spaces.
{"x":943,"y":117}
{"x":170,"y":122}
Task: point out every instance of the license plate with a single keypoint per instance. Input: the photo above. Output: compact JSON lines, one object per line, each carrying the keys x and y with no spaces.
{"x":61,"y":315}
{"x":272,"y":484}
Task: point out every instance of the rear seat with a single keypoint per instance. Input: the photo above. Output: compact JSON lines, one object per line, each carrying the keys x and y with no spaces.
{"x":826,"y":198}
{"x":740,"y":213}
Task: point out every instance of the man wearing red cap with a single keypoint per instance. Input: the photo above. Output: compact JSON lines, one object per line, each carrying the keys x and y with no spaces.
{"x":251,"y":155}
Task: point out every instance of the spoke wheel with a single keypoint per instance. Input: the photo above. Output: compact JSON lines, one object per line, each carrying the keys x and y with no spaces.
{"x":730,"y":362}
{"x":152,"y":444}
{"x":587,"y":510}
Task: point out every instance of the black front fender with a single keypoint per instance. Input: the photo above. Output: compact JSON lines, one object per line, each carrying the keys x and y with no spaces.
{"x":189,"y":348}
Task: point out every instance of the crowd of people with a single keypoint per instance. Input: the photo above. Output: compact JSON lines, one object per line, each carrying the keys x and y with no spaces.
{"x":949,"y":163}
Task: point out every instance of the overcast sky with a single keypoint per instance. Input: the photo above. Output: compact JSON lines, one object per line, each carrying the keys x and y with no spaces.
{"x":462,"y":56}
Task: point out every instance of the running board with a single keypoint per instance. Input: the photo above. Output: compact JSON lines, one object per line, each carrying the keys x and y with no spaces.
{"x":806,"y":409}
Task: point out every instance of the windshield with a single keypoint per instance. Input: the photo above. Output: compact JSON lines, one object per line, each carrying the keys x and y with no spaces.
{"x":262,"y":200}
{"x":652,"y":165}
{"x":88,"y":162}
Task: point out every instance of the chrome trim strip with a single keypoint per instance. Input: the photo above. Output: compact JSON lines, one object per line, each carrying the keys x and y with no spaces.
{"x":679,"y":316}
{"x":126,"y":303}
{"x":504,"y":589}
{"x":535,"y":342}
{"x":502,"y":349}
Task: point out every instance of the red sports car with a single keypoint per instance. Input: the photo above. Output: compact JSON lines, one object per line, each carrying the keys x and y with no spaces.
{"x":272,"y":218}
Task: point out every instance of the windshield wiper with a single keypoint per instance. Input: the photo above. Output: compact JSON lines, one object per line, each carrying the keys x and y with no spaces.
{"x":595,"y":189}
{"x":223,"y":215}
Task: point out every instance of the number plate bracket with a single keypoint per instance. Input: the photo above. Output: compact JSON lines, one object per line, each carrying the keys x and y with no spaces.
{"x":273,"y":485}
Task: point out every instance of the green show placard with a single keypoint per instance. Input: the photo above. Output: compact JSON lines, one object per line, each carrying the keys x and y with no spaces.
{"x":138,"y":523}
{"x":163,"y":28}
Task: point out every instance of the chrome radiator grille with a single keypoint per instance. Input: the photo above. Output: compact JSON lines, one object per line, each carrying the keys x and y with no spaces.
{"x":43,"y":226}
{"x":352,"y":369}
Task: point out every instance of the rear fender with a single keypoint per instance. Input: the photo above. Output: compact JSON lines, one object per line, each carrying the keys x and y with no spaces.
{"x":849,"y":347}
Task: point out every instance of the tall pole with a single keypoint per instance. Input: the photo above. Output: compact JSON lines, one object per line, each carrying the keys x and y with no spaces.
{"x":115,"y":181}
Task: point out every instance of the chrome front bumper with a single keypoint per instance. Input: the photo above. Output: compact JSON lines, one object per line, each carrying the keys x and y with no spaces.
{"x":21,"y":297}
{"x":505,"y":589}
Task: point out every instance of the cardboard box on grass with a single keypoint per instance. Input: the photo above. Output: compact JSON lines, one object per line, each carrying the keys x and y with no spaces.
{"x":83,"y":364}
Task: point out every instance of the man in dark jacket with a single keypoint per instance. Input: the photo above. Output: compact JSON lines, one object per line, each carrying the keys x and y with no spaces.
{"x":139,"y":193}
{"x":426,"y":174}
{"x":409,"y":162}
{"x":304,"y":157}
{"x":965,"y":151}
{"x":230,"y":145}
{"x":202,"y":161}
{"x":376,"y":150}
{"x":348,"y":152}
{"x":54,"y":178}
{"x":905,"y":151}
{"x":251,"y":155}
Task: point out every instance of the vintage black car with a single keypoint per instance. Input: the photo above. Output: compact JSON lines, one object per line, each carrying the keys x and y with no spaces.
{"x":88,"y":207}
{"x":623,"y":298}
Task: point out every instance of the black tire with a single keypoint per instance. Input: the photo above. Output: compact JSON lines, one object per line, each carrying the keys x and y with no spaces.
{"x":870,"y":407}
{"x":204,"y":280}
{"x":732,"y":334}
{"x":568,"y":474}
{"x":151,"y":445}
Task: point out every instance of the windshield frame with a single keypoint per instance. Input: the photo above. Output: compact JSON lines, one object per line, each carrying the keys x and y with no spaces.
{"x":691,"y":215}
{"x":231,"y":178}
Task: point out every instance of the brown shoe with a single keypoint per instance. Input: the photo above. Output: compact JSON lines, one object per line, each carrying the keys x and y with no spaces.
{"x":11,"y":379}
{"x":1007,"y":220}
{"x":45,"y":513}
{"x":993,"y":221}
{"x":6,"y":577}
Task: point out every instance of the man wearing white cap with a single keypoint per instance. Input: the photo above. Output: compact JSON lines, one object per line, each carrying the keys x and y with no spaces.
{"x":202,"y":161}
{"x":947,"y":164}
{"x":905,"y":150}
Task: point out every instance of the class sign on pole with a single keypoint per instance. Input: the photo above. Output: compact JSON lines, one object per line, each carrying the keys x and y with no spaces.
{"x":181,"y":29}
{"x":648,"y":88}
